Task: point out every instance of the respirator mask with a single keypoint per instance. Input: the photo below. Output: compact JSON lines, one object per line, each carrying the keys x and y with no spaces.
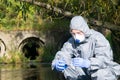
{"x":79,"y":38}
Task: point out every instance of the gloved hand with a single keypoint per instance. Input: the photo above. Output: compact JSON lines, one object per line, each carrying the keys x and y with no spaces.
{"x":60,"y":65}
{"x":80,"y":62}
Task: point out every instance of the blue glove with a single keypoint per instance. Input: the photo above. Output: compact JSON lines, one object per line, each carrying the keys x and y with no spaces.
{"x":60,"y":65}
{"x":80,"y":62}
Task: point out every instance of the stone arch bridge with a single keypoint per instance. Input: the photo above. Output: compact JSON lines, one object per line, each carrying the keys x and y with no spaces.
{"x":19,"y":41}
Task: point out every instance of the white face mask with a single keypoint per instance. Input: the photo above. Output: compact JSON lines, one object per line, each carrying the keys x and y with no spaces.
{"x":79,"y":38}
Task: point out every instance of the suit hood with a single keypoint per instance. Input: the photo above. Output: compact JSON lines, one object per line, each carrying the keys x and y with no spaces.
{"x":79,"y":23}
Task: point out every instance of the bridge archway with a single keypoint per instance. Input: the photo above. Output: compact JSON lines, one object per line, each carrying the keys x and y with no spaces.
{"x":29,"y":47}
{"x":2,"y":48}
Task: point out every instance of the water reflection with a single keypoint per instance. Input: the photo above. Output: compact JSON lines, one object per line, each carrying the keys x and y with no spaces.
{"x":27,"y":71}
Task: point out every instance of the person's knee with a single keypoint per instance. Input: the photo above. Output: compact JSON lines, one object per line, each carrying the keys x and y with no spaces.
{"x":70,"y":73}
{"x":76,"y":74}
{"x":104,"y":74}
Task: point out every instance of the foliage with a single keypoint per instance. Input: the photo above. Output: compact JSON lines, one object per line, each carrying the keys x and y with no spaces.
{"x":48,"y":53}
{"x":16,"y":14}
{"x":13,"y":57}
{"x":108,"y":36}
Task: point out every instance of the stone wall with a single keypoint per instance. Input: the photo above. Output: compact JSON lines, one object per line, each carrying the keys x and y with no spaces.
{"x":14,"y":40}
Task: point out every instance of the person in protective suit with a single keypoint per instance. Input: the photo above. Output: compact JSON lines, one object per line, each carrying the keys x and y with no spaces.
{"x":87,"y":55}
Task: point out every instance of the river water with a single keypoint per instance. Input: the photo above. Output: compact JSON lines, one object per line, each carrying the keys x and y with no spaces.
{"x":27,"y":71}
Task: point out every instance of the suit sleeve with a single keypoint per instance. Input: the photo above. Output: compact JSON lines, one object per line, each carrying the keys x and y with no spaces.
{"x":64,"y":53}
{"x":103,"y":56}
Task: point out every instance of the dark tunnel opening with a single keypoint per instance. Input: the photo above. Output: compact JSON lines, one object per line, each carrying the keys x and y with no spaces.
{"x":30,"y":47}
{"x":2,"y":48}
{"x":30,"y":50}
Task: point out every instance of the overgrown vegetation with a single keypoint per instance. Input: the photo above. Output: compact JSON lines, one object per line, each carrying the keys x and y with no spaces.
{"x":15,"y":14}
{"x":48,"y":53}
{"x":13,"y":57}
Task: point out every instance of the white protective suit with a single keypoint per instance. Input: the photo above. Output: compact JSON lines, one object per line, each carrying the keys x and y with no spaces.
{"x":95,"y":48}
